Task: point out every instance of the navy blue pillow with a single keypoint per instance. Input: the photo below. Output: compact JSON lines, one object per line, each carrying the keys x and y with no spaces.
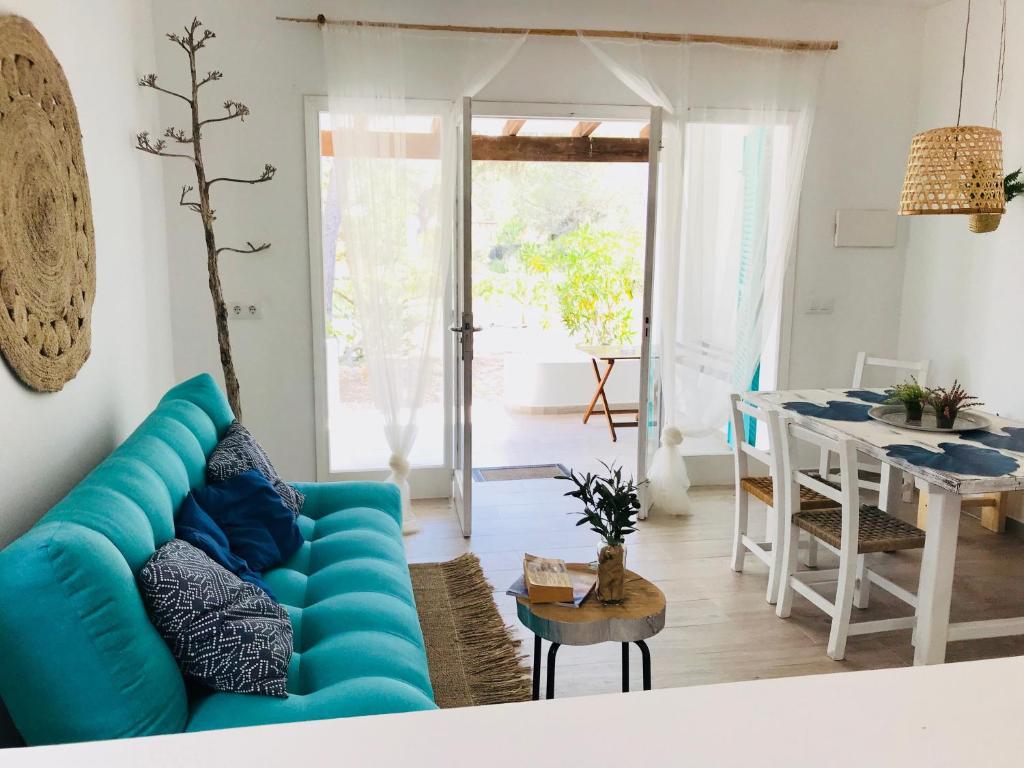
{"x":259,"y":528}
{"x":198,"y":529}
{"x":224,"y":634}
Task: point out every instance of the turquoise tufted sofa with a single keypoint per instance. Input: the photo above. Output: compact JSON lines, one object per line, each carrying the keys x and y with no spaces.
{"x":79,"y":659}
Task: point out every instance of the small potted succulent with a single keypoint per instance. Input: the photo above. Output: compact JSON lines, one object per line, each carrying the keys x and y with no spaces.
{"x":610,"y":506}
{"x":949,"y":402}
{"x":980,"y":223}
{"x":911,"y":395}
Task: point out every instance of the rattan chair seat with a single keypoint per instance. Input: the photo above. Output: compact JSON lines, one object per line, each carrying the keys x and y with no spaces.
{"x":762,"y":488}
{"x":877,"y":532}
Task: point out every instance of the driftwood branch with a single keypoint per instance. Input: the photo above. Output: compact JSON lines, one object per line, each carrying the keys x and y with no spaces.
{"x":145,"y":144}
{"x":250,"y":248}
{"x":190,"y":42}
{"x":149,"y":81}
{"x":178,"y":135}
{"x":193,"y":39}
{"x":267,"y":175}
{"x":192,"y":205}
{"x":235,"y":110}
{"x":210,"y":77}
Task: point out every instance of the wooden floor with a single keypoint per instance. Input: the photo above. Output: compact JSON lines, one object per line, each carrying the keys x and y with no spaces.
{"x":719,"y":627}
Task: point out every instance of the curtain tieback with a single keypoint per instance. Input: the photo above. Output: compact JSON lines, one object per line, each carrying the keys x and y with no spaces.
{"x":399,"y":465}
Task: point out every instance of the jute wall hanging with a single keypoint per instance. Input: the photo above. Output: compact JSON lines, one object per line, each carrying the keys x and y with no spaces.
{"x":47,"y":249}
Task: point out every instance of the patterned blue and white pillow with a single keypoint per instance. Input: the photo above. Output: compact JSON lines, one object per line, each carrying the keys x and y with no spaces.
{"x":239,"y":452}
{"x":224,"y":633}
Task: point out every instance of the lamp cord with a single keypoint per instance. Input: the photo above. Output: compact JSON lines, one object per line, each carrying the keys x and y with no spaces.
{"x":1002,"y":66}
{"x":963,"y":66}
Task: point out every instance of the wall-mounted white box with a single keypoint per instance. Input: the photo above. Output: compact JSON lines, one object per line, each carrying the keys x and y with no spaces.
{"x":858,"y":228}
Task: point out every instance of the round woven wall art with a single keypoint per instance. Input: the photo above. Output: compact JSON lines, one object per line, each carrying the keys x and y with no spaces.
{"x":47,"y":249}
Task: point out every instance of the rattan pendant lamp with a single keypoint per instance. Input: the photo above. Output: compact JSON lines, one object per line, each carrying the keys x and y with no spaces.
{"x":958,"y":169}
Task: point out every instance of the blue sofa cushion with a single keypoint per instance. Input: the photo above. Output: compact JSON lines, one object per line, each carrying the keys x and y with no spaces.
{"x":198,"y":529}
{"x":238,"y":452}
{"x":259,"y":527}
{"x":225,"y":634}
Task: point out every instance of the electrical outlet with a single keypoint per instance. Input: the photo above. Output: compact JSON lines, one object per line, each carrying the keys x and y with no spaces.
{"x":244,"y":310}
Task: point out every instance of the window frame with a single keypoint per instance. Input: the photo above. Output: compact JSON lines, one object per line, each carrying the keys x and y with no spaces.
{"x":425,"y":481}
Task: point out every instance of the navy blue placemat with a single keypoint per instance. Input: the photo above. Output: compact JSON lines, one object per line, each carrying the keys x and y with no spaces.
{"x":878,"y":398}
{"x":835,"y":410}
{"x":956,"y":457}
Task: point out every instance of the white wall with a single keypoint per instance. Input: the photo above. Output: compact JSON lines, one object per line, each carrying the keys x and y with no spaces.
{"x":961,"y":291}
{"x":49,"y":441}
{"x":866,"y":115}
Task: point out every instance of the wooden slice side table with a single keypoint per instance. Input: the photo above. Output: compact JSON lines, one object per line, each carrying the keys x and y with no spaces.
{"x":640,"y":616}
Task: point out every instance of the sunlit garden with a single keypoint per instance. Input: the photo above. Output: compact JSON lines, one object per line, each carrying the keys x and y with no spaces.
{"x":557,"y":263}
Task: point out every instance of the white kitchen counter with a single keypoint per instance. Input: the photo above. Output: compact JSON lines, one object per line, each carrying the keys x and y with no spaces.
{"x":947,"y":715}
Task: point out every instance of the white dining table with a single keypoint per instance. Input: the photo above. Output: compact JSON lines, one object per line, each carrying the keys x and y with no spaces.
{"x":989,"y":461}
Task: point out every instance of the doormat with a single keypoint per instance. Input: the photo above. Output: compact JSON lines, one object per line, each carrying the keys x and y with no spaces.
{"x":526,"y":472}
{"x":472,"y":655}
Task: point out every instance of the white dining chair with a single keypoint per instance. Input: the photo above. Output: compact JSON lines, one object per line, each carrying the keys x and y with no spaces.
{"x":764,"y":488}
{"x":916,"y":368}
{"x":873,"y":475}
{"x":851,"y":532}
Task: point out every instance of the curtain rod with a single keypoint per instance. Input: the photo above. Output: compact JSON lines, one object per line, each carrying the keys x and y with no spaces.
{"x":747,"y":42}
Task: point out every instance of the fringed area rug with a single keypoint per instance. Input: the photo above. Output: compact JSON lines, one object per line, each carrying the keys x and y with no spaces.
{"x":472,"y":655}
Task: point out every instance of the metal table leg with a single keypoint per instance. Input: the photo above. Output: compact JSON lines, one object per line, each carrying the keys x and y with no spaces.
{"x":551,"y":669}
{"x":645,"y":652}
{"x":625,"y":667}
{"x":536,"y":667}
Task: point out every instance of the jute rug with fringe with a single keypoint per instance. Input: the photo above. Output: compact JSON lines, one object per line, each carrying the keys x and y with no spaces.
{"x":472,"y":655}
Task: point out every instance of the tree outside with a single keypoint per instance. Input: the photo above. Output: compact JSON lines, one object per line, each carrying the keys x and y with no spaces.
{"x":557,"y":261}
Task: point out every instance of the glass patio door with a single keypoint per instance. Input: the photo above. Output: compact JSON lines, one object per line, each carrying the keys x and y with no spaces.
{"x":461,"y":326}
{"x":650,"y":402}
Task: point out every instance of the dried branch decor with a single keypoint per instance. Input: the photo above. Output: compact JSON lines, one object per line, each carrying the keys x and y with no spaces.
{"x":191,"y":42}
{"x":47,"y":248}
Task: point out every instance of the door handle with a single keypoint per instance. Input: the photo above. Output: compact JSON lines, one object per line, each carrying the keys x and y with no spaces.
{"x":460,"y":329}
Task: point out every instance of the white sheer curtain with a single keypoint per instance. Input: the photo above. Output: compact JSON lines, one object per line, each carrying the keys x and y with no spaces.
{"x":392,"y":97}
{"x":735,"y":136}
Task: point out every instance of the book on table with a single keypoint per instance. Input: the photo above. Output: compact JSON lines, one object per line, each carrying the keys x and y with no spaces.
{"x":551,"y":580}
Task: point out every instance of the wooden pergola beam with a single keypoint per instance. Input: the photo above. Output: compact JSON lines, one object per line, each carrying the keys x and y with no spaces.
{"x":645,"y":132}
{"x":560,"y":149}
{"x":512,"y":127}
{"x":585,"y":128}
{"x":550,"y":149}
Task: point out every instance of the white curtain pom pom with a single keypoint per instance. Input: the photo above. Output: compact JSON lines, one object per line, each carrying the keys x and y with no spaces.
{"x":668,"y":482}
{"x":671,"y":436}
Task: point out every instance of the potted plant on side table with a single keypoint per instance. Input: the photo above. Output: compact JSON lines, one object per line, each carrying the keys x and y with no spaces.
{"x":912,"y":396}
{"x":610,"y":506}
{"x":949,"y":402}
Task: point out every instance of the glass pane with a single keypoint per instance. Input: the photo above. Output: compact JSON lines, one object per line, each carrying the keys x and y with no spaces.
{"x":557,"y":263}
{"x":356,"y":427}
